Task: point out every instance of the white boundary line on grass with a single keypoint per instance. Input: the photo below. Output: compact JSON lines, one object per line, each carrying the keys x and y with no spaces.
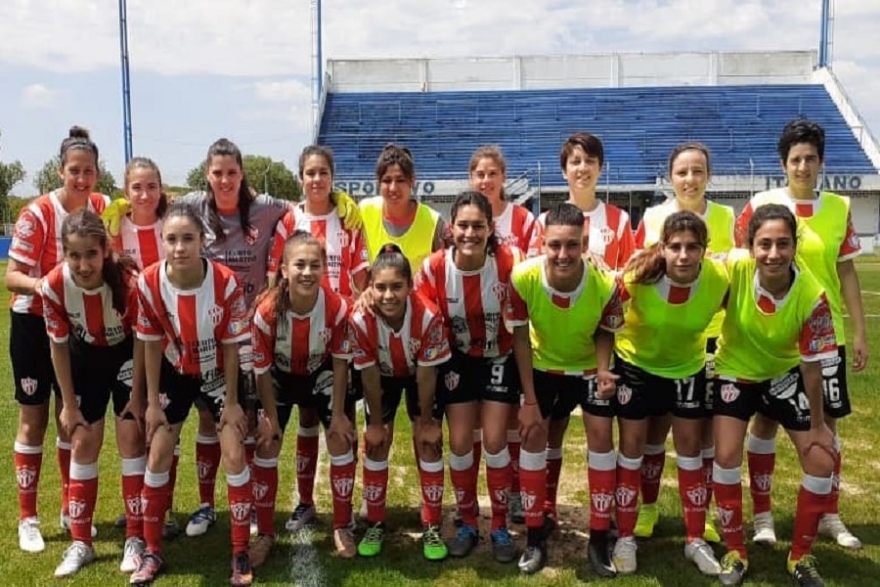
{"x":306,"y":569}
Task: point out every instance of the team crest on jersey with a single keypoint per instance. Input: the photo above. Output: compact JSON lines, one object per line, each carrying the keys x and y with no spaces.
{"x":414,"y":346}
{"x":626,"y":496}
{"x":325,"y":335}
{"x":253,"y":233}
{"x":29,"y":385}
{"x":434,"y":493}
{"x":343,"y":486}
{"x":76,"y":508}
{"x":24,"y":228}
{"x":624,"y":394}
{"x":240,"y":511}
{"x":697,"y":496}
{"x":602,"y":502}
{"x":215,"y":314}
{"x":607,"y":235}
{"x":435,"y":334}
{"x":451,"y":380}
{"x":25,"y":478}
{"x":500,"y":291}
{"x":729,"y":392}
{"x":373,"y":493}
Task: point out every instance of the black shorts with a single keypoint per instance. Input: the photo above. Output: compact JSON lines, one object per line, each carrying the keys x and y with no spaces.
{"x":31,"y":359}
{"x":711,"y":346}
{"x":835,"y":388}
{"x":782,"y":399}
{"x":247,"y":393}
{"x":467,"y":379}
{"x":641,"y":394}
{"x":179,"y":392}
{"x":559,"y":394}
{"x":392,"y":390}
{"x":313,"y":391}
{"x":99,"y":375}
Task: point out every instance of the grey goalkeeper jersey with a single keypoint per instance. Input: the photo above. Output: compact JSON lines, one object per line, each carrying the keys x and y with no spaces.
{"x":246,"y":254}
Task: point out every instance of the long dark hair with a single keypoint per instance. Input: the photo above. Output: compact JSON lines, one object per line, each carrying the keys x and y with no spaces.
{"x":391,"y":257}
{"x":115,"y":270}
{"x":279,"y":292}
{"x":769,"y":212}
{"x":226,"y":148}
{"x":649,"y":266}
{"x":475,"y":198}
{"x":396,"y":155}
{"x":147,"y":163}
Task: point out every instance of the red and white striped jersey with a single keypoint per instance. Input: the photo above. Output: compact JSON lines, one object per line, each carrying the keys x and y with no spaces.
{"x":514,"y":226}
{"x":346,"y":249}
{"x":474,"y":303}
{"x":422,"y":341}
{"x":609,"y":230}
{"x":301,"y":343}
{"x":89,"y":314}
{"x":36,"y":241}
{"x":141,"y":243}
{"x":193,"y":323}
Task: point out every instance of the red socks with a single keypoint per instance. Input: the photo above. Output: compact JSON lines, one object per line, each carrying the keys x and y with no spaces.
{"x":28,"y":461}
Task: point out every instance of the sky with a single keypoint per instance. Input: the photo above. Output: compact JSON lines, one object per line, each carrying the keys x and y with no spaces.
{"x":202,"y":69}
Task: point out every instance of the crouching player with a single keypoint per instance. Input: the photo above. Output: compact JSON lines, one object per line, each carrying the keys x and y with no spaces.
{"x":301,"y":353}
{"x":397,"y":348}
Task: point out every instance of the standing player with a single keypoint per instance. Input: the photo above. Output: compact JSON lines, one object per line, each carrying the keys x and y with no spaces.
{"x":238,"y":235}
{"x":397,"y":348}
{"x":321,"y":215}
{"x":36,"y":248}
{"x":192,"y":317}
{"x":396,"y":216}
{"x":779,"y":313}
{"x":689,"y":171}
{"x":513,"y":225}
{"x":671,"y":293}
{"x":90,"y":305}
{"x":573,"y":311}
{"x":470,"y":284}
{"x":610,"y":244}
{"x":829,"y":244}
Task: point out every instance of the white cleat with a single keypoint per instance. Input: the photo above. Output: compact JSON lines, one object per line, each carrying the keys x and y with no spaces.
{"x":700,"y":553}
{"x":30,"y":539}
{"x":832,"y":526}
{"x":765,"y":532}
{"x":75,"y":557}
{"x":624,"y":555}
{"x":131,"y":554}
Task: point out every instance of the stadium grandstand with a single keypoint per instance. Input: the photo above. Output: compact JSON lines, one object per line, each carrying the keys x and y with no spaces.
{"x":639,"y":104}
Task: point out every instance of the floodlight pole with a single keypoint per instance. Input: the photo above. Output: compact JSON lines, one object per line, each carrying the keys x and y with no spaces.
{"x":825,"y":35}
{"x":126,"y":81}
{"x":317,"y":66}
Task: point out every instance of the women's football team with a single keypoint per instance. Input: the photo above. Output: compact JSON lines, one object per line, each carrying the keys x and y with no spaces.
{"x":500,"y":323}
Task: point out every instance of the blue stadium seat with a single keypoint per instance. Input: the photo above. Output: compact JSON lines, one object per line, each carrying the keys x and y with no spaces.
{"x":638,"y":126}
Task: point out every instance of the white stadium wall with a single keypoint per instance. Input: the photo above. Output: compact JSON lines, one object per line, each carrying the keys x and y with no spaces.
{"x":570,"y":71}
